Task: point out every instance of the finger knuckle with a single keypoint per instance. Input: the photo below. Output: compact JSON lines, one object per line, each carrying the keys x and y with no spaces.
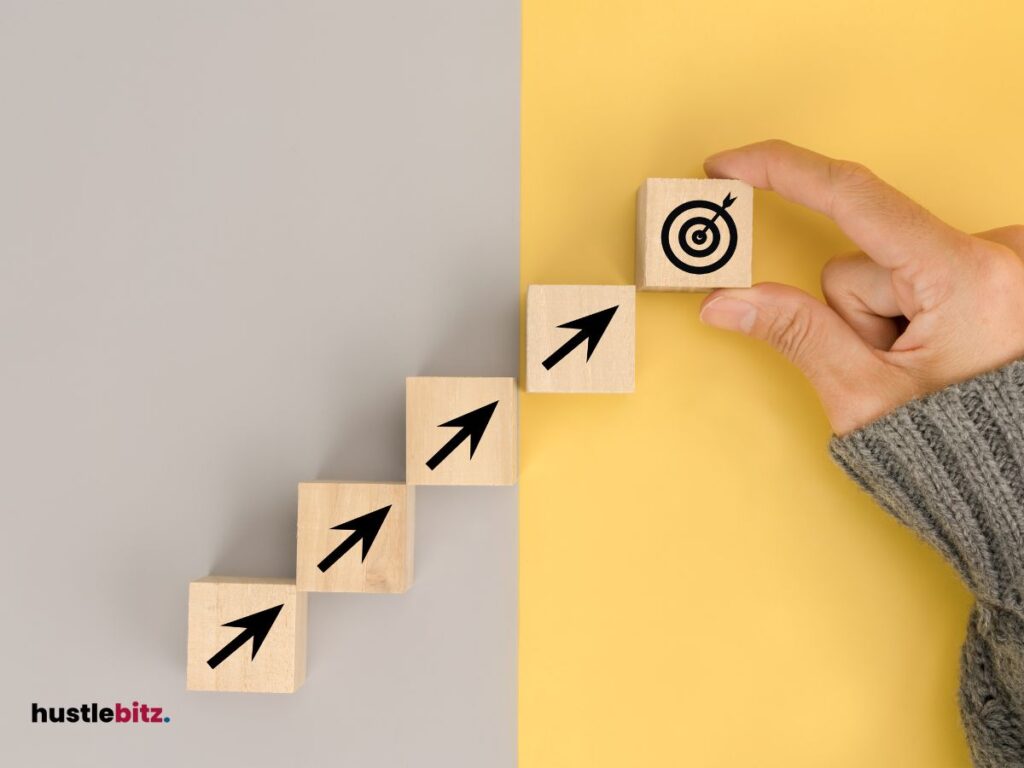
{"x":852,"y":185}
{"x":790,"y":331}
{"x":999,"y":270}
{"x":850,"y":175}
{"x":833,"y":276}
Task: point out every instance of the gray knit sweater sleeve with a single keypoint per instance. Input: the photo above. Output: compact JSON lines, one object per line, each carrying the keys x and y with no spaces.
{"x":951,"y":467}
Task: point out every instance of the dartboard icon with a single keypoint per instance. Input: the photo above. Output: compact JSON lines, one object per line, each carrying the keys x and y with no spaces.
{"x":699,"y":236}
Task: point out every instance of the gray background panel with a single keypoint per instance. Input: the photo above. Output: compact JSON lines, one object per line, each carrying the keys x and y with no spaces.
{"x":228,"y":231}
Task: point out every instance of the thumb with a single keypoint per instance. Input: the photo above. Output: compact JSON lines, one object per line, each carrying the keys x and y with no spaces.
{"x":810,"y":335}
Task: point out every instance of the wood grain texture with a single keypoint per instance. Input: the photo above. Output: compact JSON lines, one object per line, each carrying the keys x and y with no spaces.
{"x":656,"y":199}
{"x":611,"y":367}
{"x":280,"y":664}
{"x":388,"y":566}
{"x":432,"y":401}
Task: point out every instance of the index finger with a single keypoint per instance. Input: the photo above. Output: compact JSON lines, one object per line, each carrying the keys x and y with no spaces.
{"x":887,"y":225}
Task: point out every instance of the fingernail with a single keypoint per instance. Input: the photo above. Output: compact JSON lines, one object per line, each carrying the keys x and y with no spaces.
{"x":729,"y":314}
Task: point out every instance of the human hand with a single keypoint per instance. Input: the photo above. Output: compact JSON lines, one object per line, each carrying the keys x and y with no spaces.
{"x":924,"y":305}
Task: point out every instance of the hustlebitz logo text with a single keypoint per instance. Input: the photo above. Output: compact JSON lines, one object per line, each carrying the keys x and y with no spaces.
{"x":135,"y":713}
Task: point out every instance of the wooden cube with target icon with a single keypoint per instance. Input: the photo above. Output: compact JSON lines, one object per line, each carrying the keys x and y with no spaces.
{"x":461,"y":431}
{"x":355,"y":537}
{"x":580,"y":338}
{"x":694,"y":234}
{"x":246,"y":635}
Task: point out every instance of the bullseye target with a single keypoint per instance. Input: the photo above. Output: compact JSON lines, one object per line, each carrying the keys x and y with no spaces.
{"x":700,"y":236}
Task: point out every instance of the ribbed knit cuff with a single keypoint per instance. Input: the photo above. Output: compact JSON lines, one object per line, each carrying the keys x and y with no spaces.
{"x":951,"y":467}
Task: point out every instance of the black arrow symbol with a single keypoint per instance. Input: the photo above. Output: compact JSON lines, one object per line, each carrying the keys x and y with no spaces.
{"x":591,"y":328}
{"x":255,"y":626}
{"x":472,"y":425}
{"x":700,"y":234}
{"x":365,"y":527}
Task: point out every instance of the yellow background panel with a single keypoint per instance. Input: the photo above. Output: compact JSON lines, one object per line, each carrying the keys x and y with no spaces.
{"x":700,"y":586}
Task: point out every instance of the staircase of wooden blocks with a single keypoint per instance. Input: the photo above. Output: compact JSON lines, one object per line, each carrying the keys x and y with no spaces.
{"x":249,"y":634}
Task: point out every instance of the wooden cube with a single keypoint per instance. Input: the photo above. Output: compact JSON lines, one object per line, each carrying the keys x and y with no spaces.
{"x":461,"y":431}
{"x":693,"y":234}
{"x":246,"y":635}
{"x":580,"y":338}
{"x":355,"y":537}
